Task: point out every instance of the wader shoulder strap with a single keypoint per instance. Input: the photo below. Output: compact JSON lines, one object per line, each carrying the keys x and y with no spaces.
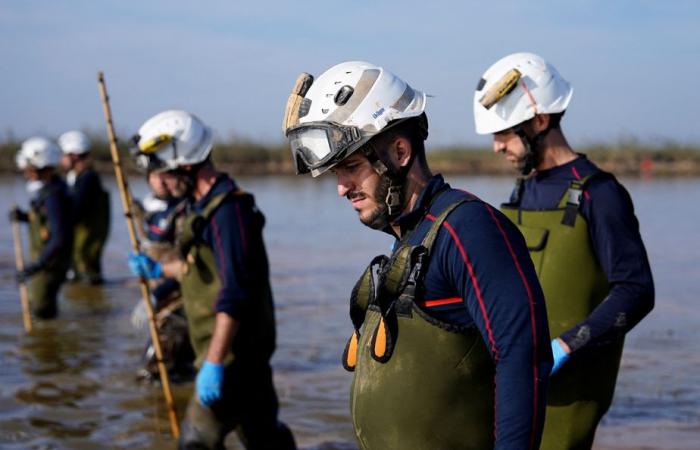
{"x":217,"y":200}
{"x":194,"y":222}
{"x":395,"y":276}
{"x":571,"y":200}
{"x":432,"y":233}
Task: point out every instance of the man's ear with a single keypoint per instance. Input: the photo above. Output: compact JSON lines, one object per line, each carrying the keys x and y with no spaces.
{"x":540,"y":122}
{"x":401,"y":151}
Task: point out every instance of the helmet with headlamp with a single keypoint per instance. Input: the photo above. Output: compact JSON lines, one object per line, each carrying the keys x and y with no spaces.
{"x":171,"y":139}
{"x":329,"y":118}
{"x":515,"y":89}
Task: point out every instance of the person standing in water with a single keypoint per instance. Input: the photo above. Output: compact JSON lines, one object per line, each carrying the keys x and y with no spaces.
{"x":90,"y":208}
{"x":50,"y":225}
{"x":450,"y":348}
{"x":224,"y":277}
{"x":583,"y":238}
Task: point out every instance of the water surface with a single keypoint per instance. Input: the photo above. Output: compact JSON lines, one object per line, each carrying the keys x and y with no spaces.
{"x":71,"y":383}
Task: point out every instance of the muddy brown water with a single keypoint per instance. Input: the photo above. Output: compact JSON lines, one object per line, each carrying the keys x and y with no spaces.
{"x":71,"y":383}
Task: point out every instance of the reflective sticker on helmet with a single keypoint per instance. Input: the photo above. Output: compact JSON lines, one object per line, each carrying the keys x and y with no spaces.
{"x":362,"y":88}
{"x":406,"y":98}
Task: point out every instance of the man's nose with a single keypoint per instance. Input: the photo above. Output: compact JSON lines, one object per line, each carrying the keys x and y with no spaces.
{"x":345,"y":185}
{"x":498,"y":146}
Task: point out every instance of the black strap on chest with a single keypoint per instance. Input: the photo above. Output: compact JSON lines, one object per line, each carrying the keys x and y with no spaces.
{"x":396,"y":281}
{"x":573,"y":202}
{"x":391,"y":285}
{"x":194,"y":222}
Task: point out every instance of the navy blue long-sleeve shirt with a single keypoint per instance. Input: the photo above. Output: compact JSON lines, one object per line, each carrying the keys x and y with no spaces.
{"x":234,"y":233}
{"x":53,"y":199}
{"x":85,"y":193}
{"x":481,"y":273}
{"x":616,"y":242}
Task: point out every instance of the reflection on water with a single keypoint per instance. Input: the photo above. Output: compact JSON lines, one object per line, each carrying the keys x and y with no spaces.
{"x":72,"y":384}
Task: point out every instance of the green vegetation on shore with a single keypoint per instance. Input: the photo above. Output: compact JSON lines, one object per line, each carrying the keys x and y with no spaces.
{"x":250,"y":158}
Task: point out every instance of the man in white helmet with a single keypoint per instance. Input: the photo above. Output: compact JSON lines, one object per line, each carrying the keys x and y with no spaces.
{"x":583,"y":237}
{"x":50,"y":232}
{"x":90,"y":208}
{"x":157,"y":216}
{"x":224,"y":278}
{"x":450,"y":343}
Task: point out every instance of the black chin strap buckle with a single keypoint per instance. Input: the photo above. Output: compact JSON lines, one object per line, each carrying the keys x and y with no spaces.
{"x":394,"y":201}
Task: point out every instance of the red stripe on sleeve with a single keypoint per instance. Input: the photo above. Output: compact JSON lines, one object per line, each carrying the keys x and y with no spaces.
{"x":477,"y":289}
{"x":482,"y":307}
{"x":533,"y":322}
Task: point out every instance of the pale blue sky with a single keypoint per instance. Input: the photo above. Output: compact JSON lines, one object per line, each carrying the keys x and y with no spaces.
{"x":634,"y":65}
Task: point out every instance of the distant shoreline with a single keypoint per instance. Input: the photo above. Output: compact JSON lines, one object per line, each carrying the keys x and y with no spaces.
{"x":247,"y":158}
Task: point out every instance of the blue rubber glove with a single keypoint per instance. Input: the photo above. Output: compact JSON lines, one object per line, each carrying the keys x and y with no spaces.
{"x":143,"y":266}
{"x":559,"y":354}
{"x":209,"y":382}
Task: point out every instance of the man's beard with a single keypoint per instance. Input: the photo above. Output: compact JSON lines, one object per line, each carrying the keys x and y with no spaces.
{"x":182,"y":188}
{"x":378,"y":218}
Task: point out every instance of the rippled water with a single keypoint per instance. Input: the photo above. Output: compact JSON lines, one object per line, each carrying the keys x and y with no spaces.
{"x":71,"y":383}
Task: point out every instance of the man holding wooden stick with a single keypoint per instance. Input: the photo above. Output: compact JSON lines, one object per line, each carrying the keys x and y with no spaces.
{"x":224,"y":278}
{"x":50,"y":232}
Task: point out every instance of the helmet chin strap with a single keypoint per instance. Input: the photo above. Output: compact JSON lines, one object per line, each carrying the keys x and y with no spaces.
{"x":533,"y":150}
{"x":395,"y":196}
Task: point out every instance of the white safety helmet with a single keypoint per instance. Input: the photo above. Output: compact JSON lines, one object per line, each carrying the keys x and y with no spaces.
{"x":21,"y":160}
{"x":74,"y":143}
{"x":516,"y":88}
{"x":328,"y":119}
{"x":39,"y":153}
{"x":172,"y":139}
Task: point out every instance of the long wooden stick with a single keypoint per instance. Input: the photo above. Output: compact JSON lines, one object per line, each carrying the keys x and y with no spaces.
{"x":19,"y":264}
{"x":126,"y":203}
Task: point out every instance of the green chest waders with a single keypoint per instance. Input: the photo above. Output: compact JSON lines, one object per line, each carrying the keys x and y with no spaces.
{"x":89,"y":236}
{"x":418,"y":383}
{"x":574,"y":284}
{"x":201,"y":285}
{"x":43,"y":287}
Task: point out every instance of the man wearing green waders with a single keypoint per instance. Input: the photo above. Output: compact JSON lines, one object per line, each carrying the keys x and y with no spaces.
{"x":583,"y":237}
{"x":450,"y":347}
{"x":224,"y":280}
{"x":49,"y":219}
{"x":90,"y":208}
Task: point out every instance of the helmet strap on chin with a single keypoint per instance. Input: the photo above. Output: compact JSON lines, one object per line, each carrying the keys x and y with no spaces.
{"x":395,"y":196}
{"x":533,"y":147}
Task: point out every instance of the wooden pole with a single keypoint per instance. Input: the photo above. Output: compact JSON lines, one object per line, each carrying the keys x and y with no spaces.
{"x":126,"y":203}
{"x":19,"y":264}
